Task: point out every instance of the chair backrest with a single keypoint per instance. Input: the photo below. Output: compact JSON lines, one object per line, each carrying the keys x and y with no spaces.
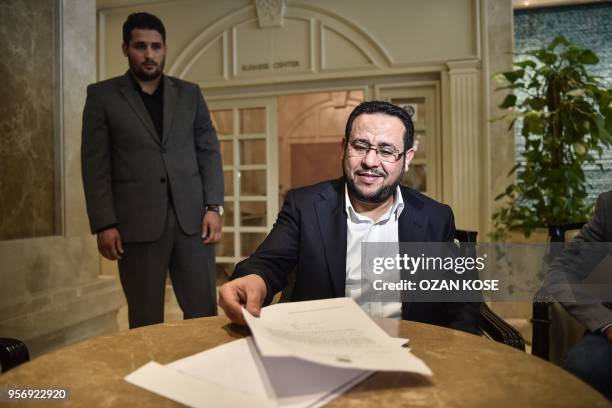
{"x":557,"y":233}
{"x":562,"y":233}
{"x":489,"y":323}
{"x":466,"y":236}
{"x":12,"y":353}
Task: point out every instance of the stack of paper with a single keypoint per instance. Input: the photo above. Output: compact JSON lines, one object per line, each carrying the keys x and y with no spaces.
{"x":301,"y":354}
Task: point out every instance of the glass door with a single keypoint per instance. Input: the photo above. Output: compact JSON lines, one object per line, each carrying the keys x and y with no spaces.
{"x":247,"y":135}
{"x":421,"y":101}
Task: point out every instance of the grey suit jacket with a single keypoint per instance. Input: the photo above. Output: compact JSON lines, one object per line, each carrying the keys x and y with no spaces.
{"x":577,"y":261}
{"x":126,"y":169}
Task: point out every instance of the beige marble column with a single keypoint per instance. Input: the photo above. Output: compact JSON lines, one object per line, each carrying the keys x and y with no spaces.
{"x":51,"y":293}
{"x":498,"y":146}
{"x":462,"y":148}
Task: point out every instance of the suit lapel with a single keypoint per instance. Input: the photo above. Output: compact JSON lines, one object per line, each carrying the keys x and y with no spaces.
{"x":413,"y":220}
{"x":411,"y":228}
{"x":170,"y":98}
{"x":332,"y":224}
{"x":131,"y":95}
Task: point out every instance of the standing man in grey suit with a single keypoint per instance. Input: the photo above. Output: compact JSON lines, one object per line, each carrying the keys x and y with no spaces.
{"x":153,"y":179}
{"x":591,"y":358}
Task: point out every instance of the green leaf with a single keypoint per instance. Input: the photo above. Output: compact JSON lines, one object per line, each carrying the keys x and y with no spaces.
{"x":605,"y":136}
{"x":499,"y":78}
{"x":588,"y":57}
{"x":546,"y":57}
{"x":533,"y":122}
{"x":500,"y":196}
{"x":571,"y":54}
{"x":576,"y":93}
{"x":509,"y":101}
{"x":608,"y":121}
{"x":566,"y":117}
{"x":558,"y":40}
{"x":525,"y":64}
{"x":513,"y":76}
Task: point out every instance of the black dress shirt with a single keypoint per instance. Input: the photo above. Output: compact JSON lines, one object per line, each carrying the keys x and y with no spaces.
{"x":155,"y":104}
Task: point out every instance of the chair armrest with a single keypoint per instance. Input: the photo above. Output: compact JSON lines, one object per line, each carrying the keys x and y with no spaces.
{"x":496,"y":328}
{"x":542,"y":303}
{"x":12,"y":353}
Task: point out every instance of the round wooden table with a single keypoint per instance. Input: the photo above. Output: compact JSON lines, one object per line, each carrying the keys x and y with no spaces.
{"x":469,"y":371}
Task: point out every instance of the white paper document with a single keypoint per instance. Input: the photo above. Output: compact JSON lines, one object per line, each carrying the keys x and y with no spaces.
{"x":192,"y":391}
{"x":235,"y":375}
{"x":303,"y":354}
{"x":286,"y":381}
{"x":334,"y":332}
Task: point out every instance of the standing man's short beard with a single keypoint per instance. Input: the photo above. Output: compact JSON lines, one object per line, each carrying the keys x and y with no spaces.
{"x":143,"y":75}
{"x":379,"y":196}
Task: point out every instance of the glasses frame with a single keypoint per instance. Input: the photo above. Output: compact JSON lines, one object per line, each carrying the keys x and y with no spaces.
{"x":396,"y":156}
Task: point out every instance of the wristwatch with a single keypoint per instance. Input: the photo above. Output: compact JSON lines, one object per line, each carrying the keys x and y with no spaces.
{"x":215,"y":208}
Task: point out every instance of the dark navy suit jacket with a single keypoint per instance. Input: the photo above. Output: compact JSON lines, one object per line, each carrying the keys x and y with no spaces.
{"x":310,"y":237}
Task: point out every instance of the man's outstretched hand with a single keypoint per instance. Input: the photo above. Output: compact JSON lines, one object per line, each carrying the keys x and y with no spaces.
{"x":249,"y":291}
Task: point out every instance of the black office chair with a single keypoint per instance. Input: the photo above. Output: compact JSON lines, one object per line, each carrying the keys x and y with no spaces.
{"x":12,"y":353}
{"x":549,"y":315}
{"x":490,"y":324}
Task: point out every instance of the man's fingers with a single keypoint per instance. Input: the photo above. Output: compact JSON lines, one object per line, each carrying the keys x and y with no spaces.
{"x":253,"y":301}
{"x":209,"y":239}
{"x":119,"y":245}
{"x":235,"y":315}
{"x":104,"y":249}
{"x":230,"y":302}
{"x":113,"y":251}
{"x":205,"y":231}
{"x":109,"y":244}
{"x":249,"y":290}
{"x":211,"y":228}
{"x":213,"y":238}
{"x":108,"y":253}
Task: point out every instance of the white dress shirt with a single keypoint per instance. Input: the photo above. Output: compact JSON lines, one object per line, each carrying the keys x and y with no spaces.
{"x":363,"y":229}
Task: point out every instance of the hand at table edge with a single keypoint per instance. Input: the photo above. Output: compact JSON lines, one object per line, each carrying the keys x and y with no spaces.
{"x":248,"y":291}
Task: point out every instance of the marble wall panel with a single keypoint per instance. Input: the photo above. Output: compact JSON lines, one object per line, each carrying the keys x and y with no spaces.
{"x":27,"y":128}
{"x":51,"y":294}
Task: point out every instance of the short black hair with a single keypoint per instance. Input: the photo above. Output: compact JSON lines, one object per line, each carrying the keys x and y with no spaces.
{"x":385,"y":108}
{"x":143,"y":21}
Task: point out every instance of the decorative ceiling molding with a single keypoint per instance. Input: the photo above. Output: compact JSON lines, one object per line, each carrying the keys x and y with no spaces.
{"x":270,"y":13}
{"x":225,"y":27}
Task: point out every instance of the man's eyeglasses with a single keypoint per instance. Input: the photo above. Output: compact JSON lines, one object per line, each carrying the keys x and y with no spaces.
{"x":387,"y":154}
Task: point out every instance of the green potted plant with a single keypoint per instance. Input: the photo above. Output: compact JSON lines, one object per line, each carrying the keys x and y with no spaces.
{"x":565,"y":119}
